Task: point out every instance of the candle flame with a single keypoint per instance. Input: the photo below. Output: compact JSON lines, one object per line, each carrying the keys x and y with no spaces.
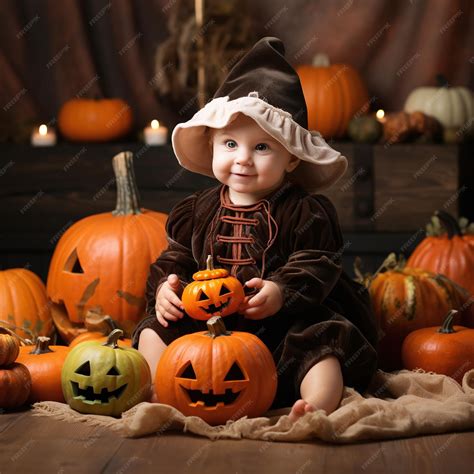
{"x":155,"y":124}
{"x":43,"y":130}
{"x":380,"y":114}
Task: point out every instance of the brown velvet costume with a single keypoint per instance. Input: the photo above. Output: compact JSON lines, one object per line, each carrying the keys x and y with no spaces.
{"x":292,"y":238}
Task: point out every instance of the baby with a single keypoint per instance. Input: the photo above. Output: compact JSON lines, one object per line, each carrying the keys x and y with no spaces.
{"x":316,"y":322}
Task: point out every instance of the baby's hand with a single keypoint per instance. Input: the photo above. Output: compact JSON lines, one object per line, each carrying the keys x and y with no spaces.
{"x":266,"y":302}
{"x":167,"y":301}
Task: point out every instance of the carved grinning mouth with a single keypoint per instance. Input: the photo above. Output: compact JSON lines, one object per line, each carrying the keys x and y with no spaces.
{"x":212,"y":308}
{"x":211,"y":399}
{"x":89,"y":396}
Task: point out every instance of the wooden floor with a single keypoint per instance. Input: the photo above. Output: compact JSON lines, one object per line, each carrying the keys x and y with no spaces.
{"x":39,"y":444}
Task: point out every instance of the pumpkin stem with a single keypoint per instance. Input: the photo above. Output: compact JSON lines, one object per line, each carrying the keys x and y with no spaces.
{"x":216,"y":327}
{"x":441,"y":80}
{"x":447,"y":327}
{"x":128,"y":201}
{"x":112,"y":338}
{"x":320,"y":60}
{"x":209,"y":263}
{"x":449,"y":223}
{"x":42,"y":346}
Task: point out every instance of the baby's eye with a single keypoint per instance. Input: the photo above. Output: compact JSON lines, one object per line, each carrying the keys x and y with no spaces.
{"x":230,"y":144}
{"x":262,"y":147}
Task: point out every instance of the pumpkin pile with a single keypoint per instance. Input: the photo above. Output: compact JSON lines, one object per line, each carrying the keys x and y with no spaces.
{"x":406,"y":299}
{"x":15,"y":379}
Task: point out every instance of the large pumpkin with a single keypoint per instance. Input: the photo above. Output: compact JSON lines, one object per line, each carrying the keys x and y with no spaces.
{"x":212,"y":293}
{"x":44,"y":363}
{"x":24,"y":306}
{"x":447,"y":350}
{"x":334,"y":93}
{"x":452,"y":106}
{"x":89,"y":120}
{"x":217,"y":375}
{"x":15,"y":385}
{"x":450,"y":253}
{"x":102,"y":261}
{"x":105,"y":379}
{"x":405,"y":299}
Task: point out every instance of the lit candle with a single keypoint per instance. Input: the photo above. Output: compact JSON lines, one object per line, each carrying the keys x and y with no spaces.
{"x":43,"y":136}
{"x":155,"y":134}
{"x":380,"y":115}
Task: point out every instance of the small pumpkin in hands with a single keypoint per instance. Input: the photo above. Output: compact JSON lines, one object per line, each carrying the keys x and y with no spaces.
{"x":217,"y":374}
{"x":213,"y":293}
{"x":15,"y":385}
{"x":9,"y":346}
{"x":44,"y":363}
{"x":447,"y":350}
{"x":105,"y":379}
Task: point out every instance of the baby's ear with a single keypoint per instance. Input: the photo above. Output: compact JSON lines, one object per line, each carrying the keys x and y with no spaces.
{"x":293,"y":163}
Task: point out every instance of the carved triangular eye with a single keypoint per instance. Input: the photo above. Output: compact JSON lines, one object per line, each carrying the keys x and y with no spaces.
{"x":224,"y":290}
{"x":73,"y":264}
{"x":188,"y":372}
{"x":113,"y":371}
{"x":84,"y":369}
{"x":203,"y":296}
{"x":234,"y":373}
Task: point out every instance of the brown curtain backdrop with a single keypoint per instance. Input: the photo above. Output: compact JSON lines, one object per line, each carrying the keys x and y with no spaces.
{"x":53,"y":50}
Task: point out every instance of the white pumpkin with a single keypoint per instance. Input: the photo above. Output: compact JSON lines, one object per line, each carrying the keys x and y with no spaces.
{"x":452,"y":106}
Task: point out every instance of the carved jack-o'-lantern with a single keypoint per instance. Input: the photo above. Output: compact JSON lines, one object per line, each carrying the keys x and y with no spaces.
{"x":217,"y":375}
{"x":105,"y":379}
{"x":213,"y":293}
{"x":101,"y":262}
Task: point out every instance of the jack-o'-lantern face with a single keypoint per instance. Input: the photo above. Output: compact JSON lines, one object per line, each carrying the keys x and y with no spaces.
{"x":105,"y":379}
{"x":213,"y":293}
{"x":217,"y":375}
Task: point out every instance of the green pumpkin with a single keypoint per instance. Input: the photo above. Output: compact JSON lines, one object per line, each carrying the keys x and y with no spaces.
{"x":105,"y":379}
{"x":365,"y":129}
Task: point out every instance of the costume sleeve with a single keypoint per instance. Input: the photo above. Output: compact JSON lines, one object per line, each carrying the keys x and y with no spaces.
{"x":314,"y":245}
{"x":178,"y":257}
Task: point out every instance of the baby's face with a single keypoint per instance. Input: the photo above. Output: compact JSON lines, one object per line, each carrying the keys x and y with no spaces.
{"x":248,"y":160}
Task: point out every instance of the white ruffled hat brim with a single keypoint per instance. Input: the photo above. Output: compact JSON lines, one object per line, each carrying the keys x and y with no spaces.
{"x":321,"y":165}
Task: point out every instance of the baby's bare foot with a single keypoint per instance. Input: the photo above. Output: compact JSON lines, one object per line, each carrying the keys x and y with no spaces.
{"x":299,"y":408}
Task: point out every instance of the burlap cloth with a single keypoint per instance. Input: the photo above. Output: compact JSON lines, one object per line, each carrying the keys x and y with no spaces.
{"x":399,"y":404}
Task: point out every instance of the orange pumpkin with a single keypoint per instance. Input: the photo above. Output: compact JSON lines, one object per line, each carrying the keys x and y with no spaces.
{"x":44,"y":363}
{"x":15,"y":386}
{"x":9,"y":346}
{"x":334,"y":93}
{"x":450,"y":253}
{"x":405,"y":299}
{"x":213,"y":293}
{"x":89,"y":120}
{"x":447,"y":350}
{"x":218,"y":375}
{"x":102,"y":261}
{"x":100,"y":336}
{"x":24,"y":306}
